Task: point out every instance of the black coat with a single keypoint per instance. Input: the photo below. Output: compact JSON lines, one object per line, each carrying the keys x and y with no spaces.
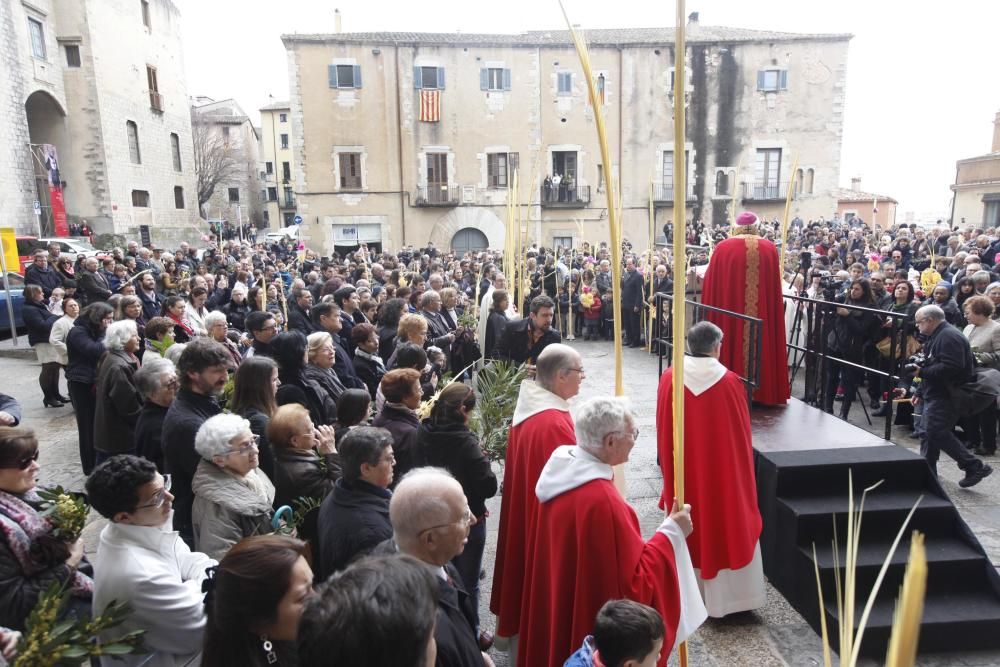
{"x":949,"y":362}
{"x":386,"y":342}
{"x":353,"y":520}
{"x":297,"y":388}
{"x":456,"y":449}
{"x":513,"y":344}
{"x":298,"y":319}
{"x":48,"y":280}
{"x":84,"y":350}
{"x":633,"y":293}
{"x":93,"y":286}
{"x":258,"y":426}
{"x":152,"y":306}
{"x":186,"y":415}
{"x":849,"y":334}
{"x":304,"y":474}
{"x":39,"y":321}
{"x":369,"y":372}
{"x":455,"y":630}
{"x":118,"y":403}
{"x":397,"y":421}
{"x":343,"y":366}
{"x":495,"y":325}
{"x":236,"y":314}
{"x":148,"y":439}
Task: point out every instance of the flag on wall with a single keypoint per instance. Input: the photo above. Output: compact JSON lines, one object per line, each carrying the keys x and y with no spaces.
{"x":430,"y":106}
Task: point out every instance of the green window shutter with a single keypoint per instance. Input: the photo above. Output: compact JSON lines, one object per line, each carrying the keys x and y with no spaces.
{"x":416,"y":78}
{"x":506,"y":79}
{"x":331,"y":73}
{"x":357,"y":76}
{"x":484,"y":79}
{"x":783,"y":80}
{"x":760,"y":79}
{"x":441,"y":78}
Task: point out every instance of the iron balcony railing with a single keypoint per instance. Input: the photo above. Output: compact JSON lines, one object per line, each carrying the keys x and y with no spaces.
{"x":439,"y":195}
{"x":765,"y":191}
{"x":663,"y":193}
{"x":565,"y":196}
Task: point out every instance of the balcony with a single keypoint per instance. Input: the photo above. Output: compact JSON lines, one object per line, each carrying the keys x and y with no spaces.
{"x":563,"y":196}
{"x":288,"y":202}
{"x":439,"y":195}
{"x":663,"y":194}
{"x":156,"y":101}
{"x":765,"y":191}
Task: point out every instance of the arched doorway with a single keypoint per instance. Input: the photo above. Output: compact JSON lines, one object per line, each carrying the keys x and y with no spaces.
{"x":469,"y":218}
{"x":47,"y":126}
{"x":468,"y":239}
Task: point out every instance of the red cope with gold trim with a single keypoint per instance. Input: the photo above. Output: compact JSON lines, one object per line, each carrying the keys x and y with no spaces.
{"x":744,"y":276}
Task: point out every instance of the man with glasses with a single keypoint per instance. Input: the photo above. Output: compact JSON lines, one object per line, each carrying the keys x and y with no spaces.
{"x":430,"y":521}
{"x":541,"y":423}
{"x":568,"y":579}
{"x":719,"y":474}
{"x":144,"y":563}
{"x":262,"y":328}
{"x":949,"y":363}
{"x":203,"y":371}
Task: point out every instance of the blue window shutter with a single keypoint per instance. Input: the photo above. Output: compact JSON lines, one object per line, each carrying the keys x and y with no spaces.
{"x":760,"y":79}
{"x":357,"y":76}
{"x":416,"y":78}
{"x":484,"y":79}
{"x":506,"y":79}
{"x":784,"y":79}
{"x":331,"y":73}
{"x":441,"y":78}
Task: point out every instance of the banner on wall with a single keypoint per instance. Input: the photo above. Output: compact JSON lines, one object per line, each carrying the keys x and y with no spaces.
{"x":58,"y":206}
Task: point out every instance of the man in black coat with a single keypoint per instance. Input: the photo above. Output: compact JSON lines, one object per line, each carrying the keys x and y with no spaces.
{"x":152,"y":301}
{"x":298,"y":311}
{"x":633,"y":299}
{"x":203,"y":370}
{"x":91,"y":284}
{"x":43,"y":275}
{"x":949,"y":363}
{"x":525,"y":339}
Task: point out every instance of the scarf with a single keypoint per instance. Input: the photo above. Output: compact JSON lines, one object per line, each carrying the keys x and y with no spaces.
{"x":21,"y":525}
{"x":183,"y":325}
{"x":374,"y":358}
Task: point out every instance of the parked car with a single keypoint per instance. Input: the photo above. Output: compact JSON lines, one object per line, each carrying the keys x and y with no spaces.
{"x":73,"y":245}
{"x":282,"y":234}
{"x":16,"y":284}
{"x":26,"y":246}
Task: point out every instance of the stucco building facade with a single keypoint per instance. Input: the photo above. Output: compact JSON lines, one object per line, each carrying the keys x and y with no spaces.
{"x":404,"y":138}
{"x":103,"y":82}
{"x":977,"y":187}
{"x":277,"y":163}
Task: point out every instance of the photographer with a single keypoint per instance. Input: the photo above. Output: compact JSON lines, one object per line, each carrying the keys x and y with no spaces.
{"x":949,"y":363}
{"x":849,"y":332}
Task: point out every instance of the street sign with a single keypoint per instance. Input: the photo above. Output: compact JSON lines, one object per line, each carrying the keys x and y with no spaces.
{"x":37,"y":205}
{"x":297,"y":220}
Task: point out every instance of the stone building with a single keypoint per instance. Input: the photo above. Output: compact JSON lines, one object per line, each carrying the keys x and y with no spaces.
{"x":977,"y":187}
{"x":277,"y":172}
{"x":227,"y":155}
{"x":103,"y":82}
{"x":875,"y":209}
{"x":404,"y":138}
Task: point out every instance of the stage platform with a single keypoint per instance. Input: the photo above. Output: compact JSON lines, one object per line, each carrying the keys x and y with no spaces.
{"x":803,"y":457}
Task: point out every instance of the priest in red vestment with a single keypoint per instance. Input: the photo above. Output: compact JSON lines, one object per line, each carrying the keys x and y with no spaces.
{"x":719,"y":479}
{"x":541,"y":423}
{"x":744,"y":276}
{"x":589,"y":548}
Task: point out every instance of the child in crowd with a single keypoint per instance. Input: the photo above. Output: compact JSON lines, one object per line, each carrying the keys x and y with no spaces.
{"x":626,"y":634}
{"x":608,"y":314}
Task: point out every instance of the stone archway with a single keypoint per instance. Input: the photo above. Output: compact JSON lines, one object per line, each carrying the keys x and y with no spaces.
{"x":462,"y":217}
{"x":46,"y":125}
{"x":468,"y":239}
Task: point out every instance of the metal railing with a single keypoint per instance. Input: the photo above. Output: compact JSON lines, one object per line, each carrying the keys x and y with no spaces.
{"x":663,"y":328}
{"x":663,"y":193}
{"x":564,"y":196}
{"x":765,"y":191}
{"x":818,"y":319}
{"x":438,"y":195}
{"x":156,"y":100}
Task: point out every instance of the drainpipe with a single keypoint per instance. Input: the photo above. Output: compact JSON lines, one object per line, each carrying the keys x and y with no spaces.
{"x":399,"y":154}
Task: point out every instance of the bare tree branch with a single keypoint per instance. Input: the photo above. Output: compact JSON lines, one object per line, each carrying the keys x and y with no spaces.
{"x":216,"y":159}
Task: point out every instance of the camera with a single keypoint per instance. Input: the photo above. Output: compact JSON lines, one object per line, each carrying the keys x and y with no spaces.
{"x":918,"y":360}
{"x":830,"y":285}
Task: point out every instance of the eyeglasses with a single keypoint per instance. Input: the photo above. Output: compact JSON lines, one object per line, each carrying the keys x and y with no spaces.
{"x":577,"y":370}
{"x":634,"y":433}
{"x":159,"y":497}
{"x":25,"y":463}
{"x":254,"y":445}
{"x":172,"y":383}
{"x":466,"y":519}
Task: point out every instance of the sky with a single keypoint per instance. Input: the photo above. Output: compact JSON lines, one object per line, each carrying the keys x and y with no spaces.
{"x":922,"y":86}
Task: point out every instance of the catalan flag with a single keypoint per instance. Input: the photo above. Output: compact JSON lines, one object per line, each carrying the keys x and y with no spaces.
{"x":430,"y":106}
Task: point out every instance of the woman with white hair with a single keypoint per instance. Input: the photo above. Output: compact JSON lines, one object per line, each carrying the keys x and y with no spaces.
{"x":118,"y":401}
{"x":217,"y":327}
{"x":232,"y":498}
{"x":237,"y":309}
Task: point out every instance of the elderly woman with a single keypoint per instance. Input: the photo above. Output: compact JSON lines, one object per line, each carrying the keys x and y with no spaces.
{"x":237,"y":309}
{"x":444,"y":440}
{"x":322,"y":358}
{"x":983,"y":333}
{"x":159,"y":335}
{"x":85,"y":347}
{"x":156,"y":381}
{"x":306,"y":462}
{"x":118,"y":401}
{"x":232,"y":498}
{"x":354,"y":518}
{"x":402,"y":392}
{"x":218,"y":329}
{"x":31,"y":557}
{"x":412,"y":329}
{"x":993,"y":293}
{"x":39,"y":321}
{"x":367,"y":364}
{"x":290,"y":349}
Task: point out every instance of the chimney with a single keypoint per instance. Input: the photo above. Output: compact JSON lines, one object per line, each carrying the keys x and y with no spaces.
{"x":338,"y":26}
{"x":693,"y":18}
{"x":856,"y":184}
{"x":996,"y":133}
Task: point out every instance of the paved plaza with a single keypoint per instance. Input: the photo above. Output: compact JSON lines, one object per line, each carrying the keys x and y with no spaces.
{"x":774,"y":635}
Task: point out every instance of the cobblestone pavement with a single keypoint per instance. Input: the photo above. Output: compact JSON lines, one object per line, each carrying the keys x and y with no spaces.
{"x":775,"y":635}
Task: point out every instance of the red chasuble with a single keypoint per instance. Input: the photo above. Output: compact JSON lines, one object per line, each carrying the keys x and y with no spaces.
{"x":743,"y":276}
{"x":541,"y":424}
{"x":720,"y":484}
{"x":589,"y":550}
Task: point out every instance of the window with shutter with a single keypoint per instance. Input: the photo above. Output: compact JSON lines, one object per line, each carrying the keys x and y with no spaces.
{"x":37,"y":34}
{"x":350,"y":171}
{"x":178,"y":197}
{"x":772,"y":80}
{"x":345,"y":76}
{"x":140,"y":198}
{"x":175,"y":150}
{"x":496,"y":170}
{"x":234,"y":195}
{"x":429,"y":78}
{"x":495,"y":78}
{"x":565,"y":80}
{"x":132,"y":132}
{"x":284,"y":141}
